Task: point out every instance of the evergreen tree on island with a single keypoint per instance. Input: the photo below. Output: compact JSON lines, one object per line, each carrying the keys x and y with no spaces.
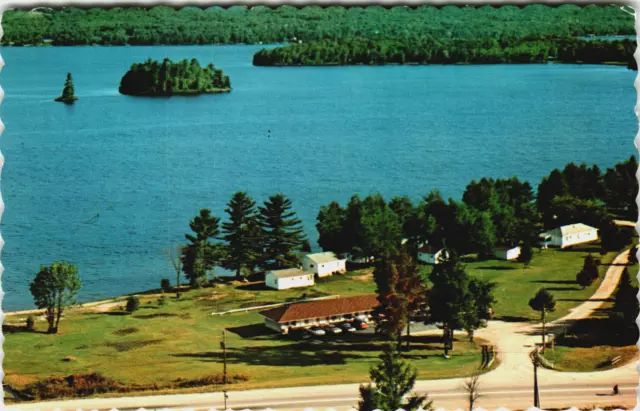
{"x":68,"y":93}
{"x":167,"y":78}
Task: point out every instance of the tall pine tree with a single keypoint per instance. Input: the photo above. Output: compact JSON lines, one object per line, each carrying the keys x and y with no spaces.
{"x":241,"y":242}
{"x":282,"y":232}
{"x":201,"y":254}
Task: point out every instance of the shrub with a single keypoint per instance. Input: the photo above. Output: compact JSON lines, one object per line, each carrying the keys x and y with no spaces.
{"x":162,"y":300}
{"x":133,"y":303}
{"x":200,"y":282}
{"x":31,"y":323}
{"x":165,"y":285}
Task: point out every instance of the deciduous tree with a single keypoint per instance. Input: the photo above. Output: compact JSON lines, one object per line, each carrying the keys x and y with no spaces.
{"x":543,"y":302}
{"x":54,"y":289}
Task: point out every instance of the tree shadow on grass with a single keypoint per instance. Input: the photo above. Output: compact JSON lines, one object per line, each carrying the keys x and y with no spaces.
{"x":563,"y":288}
{"x":298,"y":355}
{"x":497,"y":268}
{"x":582,"y":300}
{"x":252,"y":331}
{"x":513,"y":319}
{"x":14,"y":329}
{"x":554,"y":282}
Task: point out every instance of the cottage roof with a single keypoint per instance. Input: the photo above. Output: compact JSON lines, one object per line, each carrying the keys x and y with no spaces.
{"x":575,"y":229}
{"x":322,"y":308}
{"x":288,"y":272}
{"x":505,"y":248}
{"x":427,"y":249}
{"x":320,"y":258}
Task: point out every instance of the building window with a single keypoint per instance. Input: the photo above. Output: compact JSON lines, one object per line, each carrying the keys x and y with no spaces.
{"x":311,"y":265}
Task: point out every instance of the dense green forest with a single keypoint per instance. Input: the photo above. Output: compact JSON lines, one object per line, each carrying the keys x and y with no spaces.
{"x":447,"y":51}
{"x":152,"y":78}
{"x":215,"y":25}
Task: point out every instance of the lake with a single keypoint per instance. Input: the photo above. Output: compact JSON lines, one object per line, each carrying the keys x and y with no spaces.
{"x":113,"y":181}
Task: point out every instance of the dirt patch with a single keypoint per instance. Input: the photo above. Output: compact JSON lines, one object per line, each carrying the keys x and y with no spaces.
{"x":213,"y":297}
{"x":365,"y":277}
{"x":125,"y":331}
{"x":154,"y":315}
{"x":132,"y":345}
{"x":83,"y":385}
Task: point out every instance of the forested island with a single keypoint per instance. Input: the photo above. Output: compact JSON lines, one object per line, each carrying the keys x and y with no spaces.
{"x":167,"y":78}
{"x":448,"y":51}
{"x":239,"y":24}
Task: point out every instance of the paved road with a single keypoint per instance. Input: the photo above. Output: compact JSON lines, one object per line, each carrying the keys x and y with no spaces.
{"x":509,"y":385}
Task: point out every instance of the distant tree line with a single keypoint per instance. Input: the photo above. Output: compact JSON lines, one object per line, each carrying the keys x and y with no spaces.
{"x":420,"y":50}
{"x":238,"y":24}
{"x":492,"y":213}
{"x":153,"y":78}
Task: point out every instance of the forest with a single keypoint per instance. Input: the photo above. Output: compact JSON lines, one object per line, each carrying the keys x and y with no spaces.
{"x":287,"y":24}
{"x":448,"y":51}
{"x":152,"y":78}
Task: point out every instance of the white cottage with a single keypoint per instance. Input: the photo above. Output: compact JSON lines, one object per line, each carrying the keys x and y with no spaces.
{"x":431,"y":255}
{"x":569,"y":235}
{"x":288,"y":278}
{"x":507,"y":253}
{"x":324,"y":264}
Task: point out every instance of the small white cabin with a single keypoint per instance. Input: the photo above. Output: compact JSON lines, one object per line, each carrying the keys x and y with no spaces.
{"x":431,"y":255}
{"x":359,"y":260}
{"x":288,"y":278}
{"x":324,"y":264}
{"x":507,"y":253}
{"x":569,"y":235}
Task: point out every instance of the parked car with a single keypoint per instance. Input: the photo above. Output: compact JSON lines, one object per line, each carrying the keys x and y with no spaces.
{"x":333,"y":329}
{"x":347,"y":327}
{"x":360,"y":325}
{"x":317,"y":331}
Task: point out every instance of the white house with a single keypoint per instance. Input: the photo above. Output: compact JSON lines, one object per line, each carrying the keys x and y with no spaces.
{"x":288,"y":278}
{"x":321,"y":312}
{"x":431,"y":255}
{"x":507,"y":253}
{"x":324,"y":264}
{"x":569,"y":235}
{"x":359,"y":260}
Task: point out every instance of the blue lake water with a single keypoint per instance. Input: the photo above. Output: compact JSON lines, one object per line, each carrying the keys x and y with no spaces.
{"x":112,"y":181}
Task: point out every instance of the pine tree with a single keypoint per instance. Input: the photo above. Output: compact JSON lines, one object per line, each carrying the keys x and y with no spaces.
{"x":625,"y":308}
{"x":241,"y":244}
{"x":526,"y":254}
{"x":68,"y":92}
{"x":282,"y":232}
{"x":201,"y":255}
{"x":394,"y":379}
{"x":589,"y":273}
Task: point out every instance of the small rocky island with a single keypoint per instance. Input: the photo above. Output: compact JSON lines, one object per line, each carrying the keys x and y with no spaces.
{"x":68,"y":93}
{"x":166,"y":78}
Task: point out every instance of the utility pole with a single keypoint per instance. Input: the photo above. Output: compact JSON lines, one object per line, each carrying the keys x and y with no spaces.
{"x":536,"y":392}
{"x":224,"y":370}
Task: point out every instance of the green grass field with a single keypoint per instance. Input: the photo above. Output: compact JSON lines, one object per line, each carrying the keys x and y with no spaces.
{"x":591,"y":344}
{"x":160,"y":343}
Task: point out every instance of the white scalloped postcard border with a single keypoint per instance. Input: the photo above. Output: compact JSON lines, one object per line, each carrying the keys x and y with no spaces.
{"x":4,"y":5}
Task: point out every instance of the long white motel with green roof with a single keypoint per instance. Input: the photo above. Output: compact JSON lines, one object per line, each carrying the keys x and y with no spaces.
{"x":322,"y":312}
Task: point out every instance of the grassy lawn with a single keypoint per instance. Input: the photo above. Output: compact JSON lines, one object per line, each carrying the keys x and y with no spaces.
{"x":591,"y":344}
{"x":158,"y":344}
{"x":552,"y":268}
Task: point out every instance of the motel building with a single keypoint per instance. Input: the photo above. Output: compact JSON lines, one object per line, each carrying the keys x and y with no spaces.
{"x":318,"y":313}
{"x":288,"y":278}
{"x":432,"y":255}
{"x":569,"y":235}
{"x":324,"y":264}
